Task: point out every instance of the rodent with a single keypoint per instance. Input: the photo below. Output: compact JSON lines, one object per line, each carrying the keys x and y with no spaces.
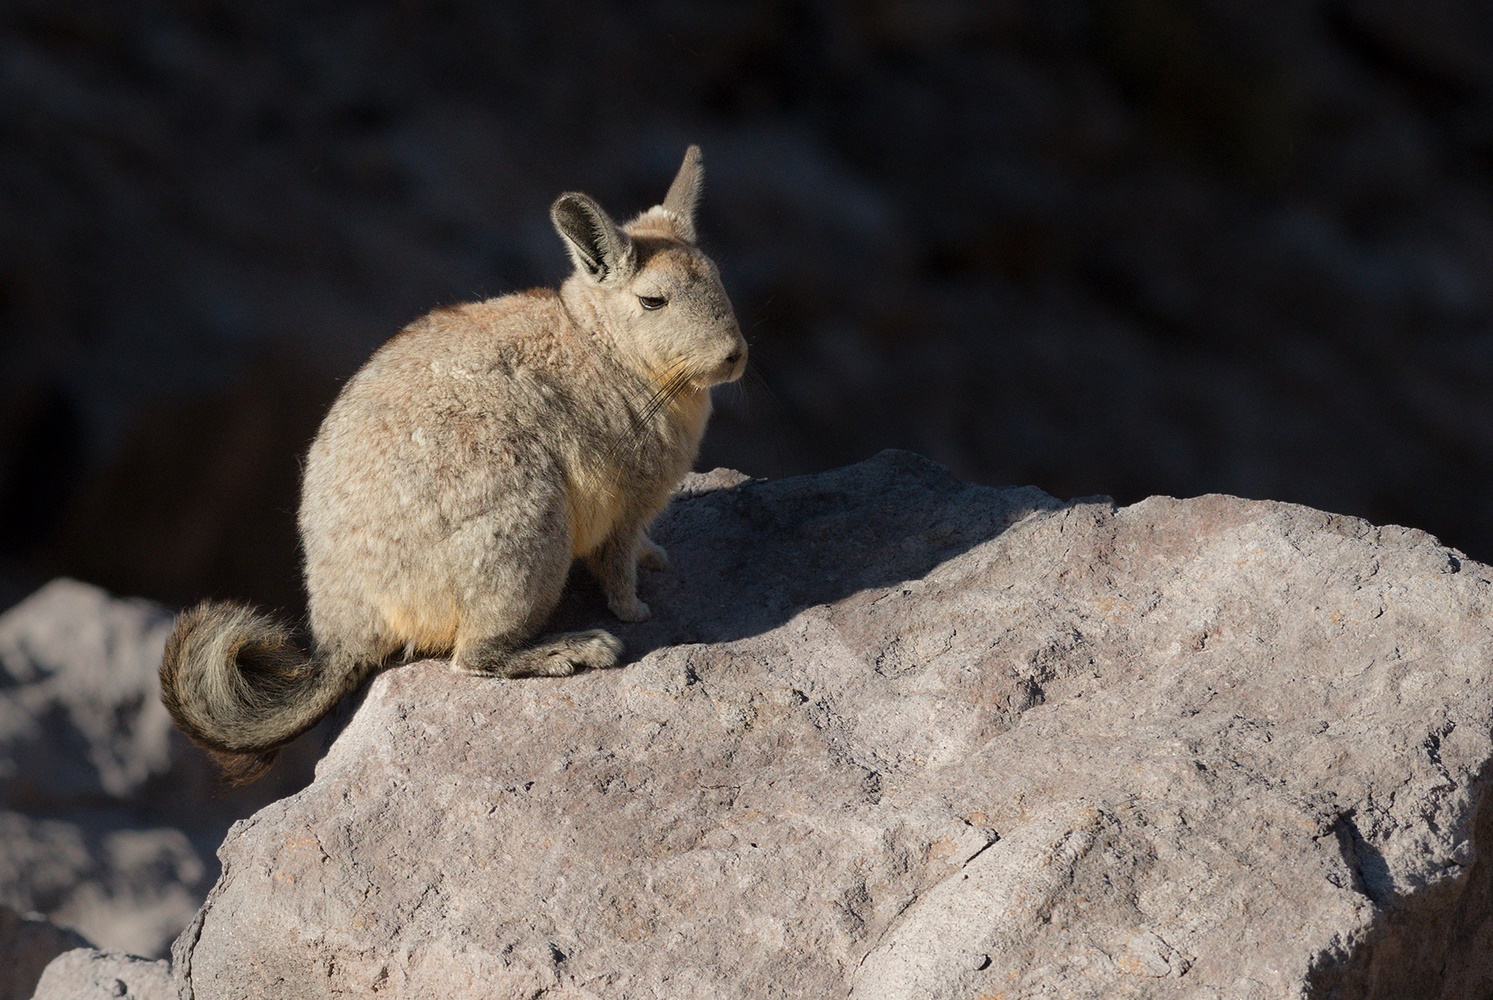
{"x":463,"y":468}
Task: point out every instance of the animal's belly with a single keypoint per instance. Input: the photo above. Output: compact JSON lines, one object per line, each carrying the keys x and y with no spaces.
{"x":429,"y":625}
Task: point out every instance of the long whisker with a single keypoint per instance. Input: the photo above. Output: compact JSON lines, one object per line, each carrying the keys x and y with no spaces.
{"x":677,"y":385}
{"x":671,"y":391}
{"x":672,"y":383}
{"x":754,"y":374}
{"x":777,"y":408}
{"x":644,"y":401}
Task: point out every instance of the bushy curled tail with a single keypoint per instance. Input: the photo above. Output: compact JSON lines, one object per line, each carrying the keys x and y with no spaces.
{"x":237,"y":684}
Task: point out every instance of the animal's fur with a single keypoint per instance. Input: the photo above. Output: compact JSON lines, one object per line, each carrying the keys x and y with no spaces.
{"x":463,"y":468}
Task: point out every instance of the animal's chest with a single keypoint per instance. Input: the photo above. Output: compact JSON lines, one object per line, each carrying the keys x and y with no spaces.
{"x":602,"y":493}
{"x":596,"y":502}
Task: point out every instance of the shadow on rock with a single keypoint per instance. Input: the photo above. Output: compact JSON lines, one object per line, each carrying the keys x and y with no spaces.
{"x":1435,"y":943}
{"x":745,"y":560}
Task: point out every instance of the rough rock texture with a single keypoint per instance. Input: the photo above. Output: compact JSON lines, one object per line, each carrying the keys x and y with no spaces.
{"x":27,"y":944}
{"x":108,"y":817}
{"x":88,"y":974}
{"x":894,"y":736}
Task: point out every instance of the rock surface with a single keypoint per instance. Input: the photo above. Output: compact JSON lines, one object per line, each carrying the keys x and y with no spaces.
{"x":891,"y":735}
{"x":89,"y":974}
{"x":108,"y":817}
{"x":27,"y":944}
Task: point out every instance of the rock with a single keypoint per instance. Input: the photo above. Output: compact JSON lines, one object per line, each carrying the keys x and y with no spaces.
{"x":88,"y":974}
{"x":891,"y":735}
{"x":85,"y":744}
{"x":79,"y":720}
{"x":27,"y":944}
{"x":115,"y":879}
{"x":108,"y":816}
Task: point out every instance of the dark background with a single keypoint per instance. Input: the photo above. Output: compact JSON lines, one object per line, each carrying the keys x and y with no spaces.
{"x":1119,"y":246}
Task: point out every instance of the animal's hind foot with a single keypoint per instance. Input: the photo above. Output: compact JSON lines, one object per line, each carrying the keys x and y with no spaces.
{"x":553,"y":656}
{"x":594,"y":649}
{"x":631,"y":610}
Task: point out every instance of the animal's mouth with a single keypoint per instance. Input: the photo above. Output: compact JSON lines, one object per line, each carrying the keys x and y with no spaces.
{"x":732,"y":367}
{"x":682,"y":377}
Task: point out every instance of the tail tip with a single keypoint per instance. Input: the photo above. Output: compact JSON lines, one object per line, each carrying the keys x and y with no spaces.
{"x":239,"y":769}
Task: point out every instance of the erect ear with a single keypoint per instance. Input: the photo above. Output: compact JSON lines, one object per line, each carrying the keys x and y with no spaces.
{"x":684,"y":194}
{"x":599,"y":249}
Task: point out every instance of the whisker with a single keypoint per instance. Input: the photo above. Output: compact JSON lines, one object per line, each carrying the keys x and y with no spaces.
{"x":674,"y":389}
{"x":654,"y":390}
{"x":679,"y":383}
{"x":777,"y":413}
{"x":674,"y":381}
{"x":760,"y":381}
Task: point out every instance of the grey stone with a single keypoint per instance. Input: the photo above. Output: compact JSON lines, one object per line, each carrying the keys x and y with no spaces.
{"x":891,"y":735}
{"x":27,"y":944}
{"x":79,"y":719}
{"x":108,"y":816}
{"x":125,"y":884}
{"x":89,"y":974}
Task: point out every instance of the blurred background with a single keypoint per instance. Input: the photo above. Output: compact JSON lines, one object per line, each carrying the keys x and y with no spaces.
{"x":1111,"y":246}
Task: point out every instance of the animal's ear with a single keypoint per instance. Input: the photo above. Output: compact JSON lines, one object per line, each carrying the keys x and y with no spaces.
{"x":684,"y":194}
{"x":600,"y":250}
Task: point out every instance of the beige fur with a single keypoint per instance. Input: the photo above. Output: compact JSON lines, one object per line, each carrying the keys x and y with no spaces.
{"x":463,"y":468}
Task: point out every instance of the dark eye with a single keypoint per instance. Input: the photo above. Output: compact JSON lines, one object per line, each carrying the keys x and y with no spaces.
{"x":652,"y":301}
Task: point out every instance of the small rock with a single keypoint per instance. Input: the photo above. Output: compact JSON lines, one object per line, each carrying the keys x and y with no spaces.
{"x":89,"y":974}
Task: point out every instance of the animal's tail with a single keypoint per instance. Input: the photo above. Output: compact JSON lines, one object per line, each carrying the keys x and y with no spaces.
{"x":237,"y":684}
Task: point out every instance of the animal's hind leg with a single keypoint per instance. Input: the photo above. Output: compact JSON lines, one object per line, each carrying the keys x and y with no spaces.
{"x":495,"y":641}
{"x":494,"y":636}
{"x":551,"y":656}
{"x":651,"y":555}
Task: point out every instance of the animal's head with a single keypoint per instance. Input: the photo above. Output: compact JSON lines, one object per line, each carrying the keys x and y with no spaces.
{"x":653,"y":287}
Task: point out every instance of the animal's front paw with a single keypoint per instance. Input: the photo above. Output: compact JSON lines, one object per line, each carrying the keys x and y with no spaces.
{"x":631,"y":610}
{"x":651,"y":555}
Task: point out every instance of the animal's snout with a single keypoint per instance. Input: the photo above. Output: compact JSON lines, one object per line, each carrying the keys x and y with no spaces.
{"x":734,"y":363}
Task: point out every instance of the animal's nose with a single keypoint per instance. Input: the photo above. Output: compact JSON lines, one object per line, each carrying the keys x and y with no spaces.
{"x":734,"y":357}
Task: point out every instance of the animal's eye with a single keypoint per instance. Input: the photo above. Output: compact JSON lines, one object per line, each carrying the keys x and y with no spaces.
{"x":652,"y":301}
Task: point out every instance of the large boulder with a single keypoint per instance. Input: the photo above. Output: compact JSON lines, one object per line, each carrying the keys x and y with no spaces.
{"x":891,"y":735}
